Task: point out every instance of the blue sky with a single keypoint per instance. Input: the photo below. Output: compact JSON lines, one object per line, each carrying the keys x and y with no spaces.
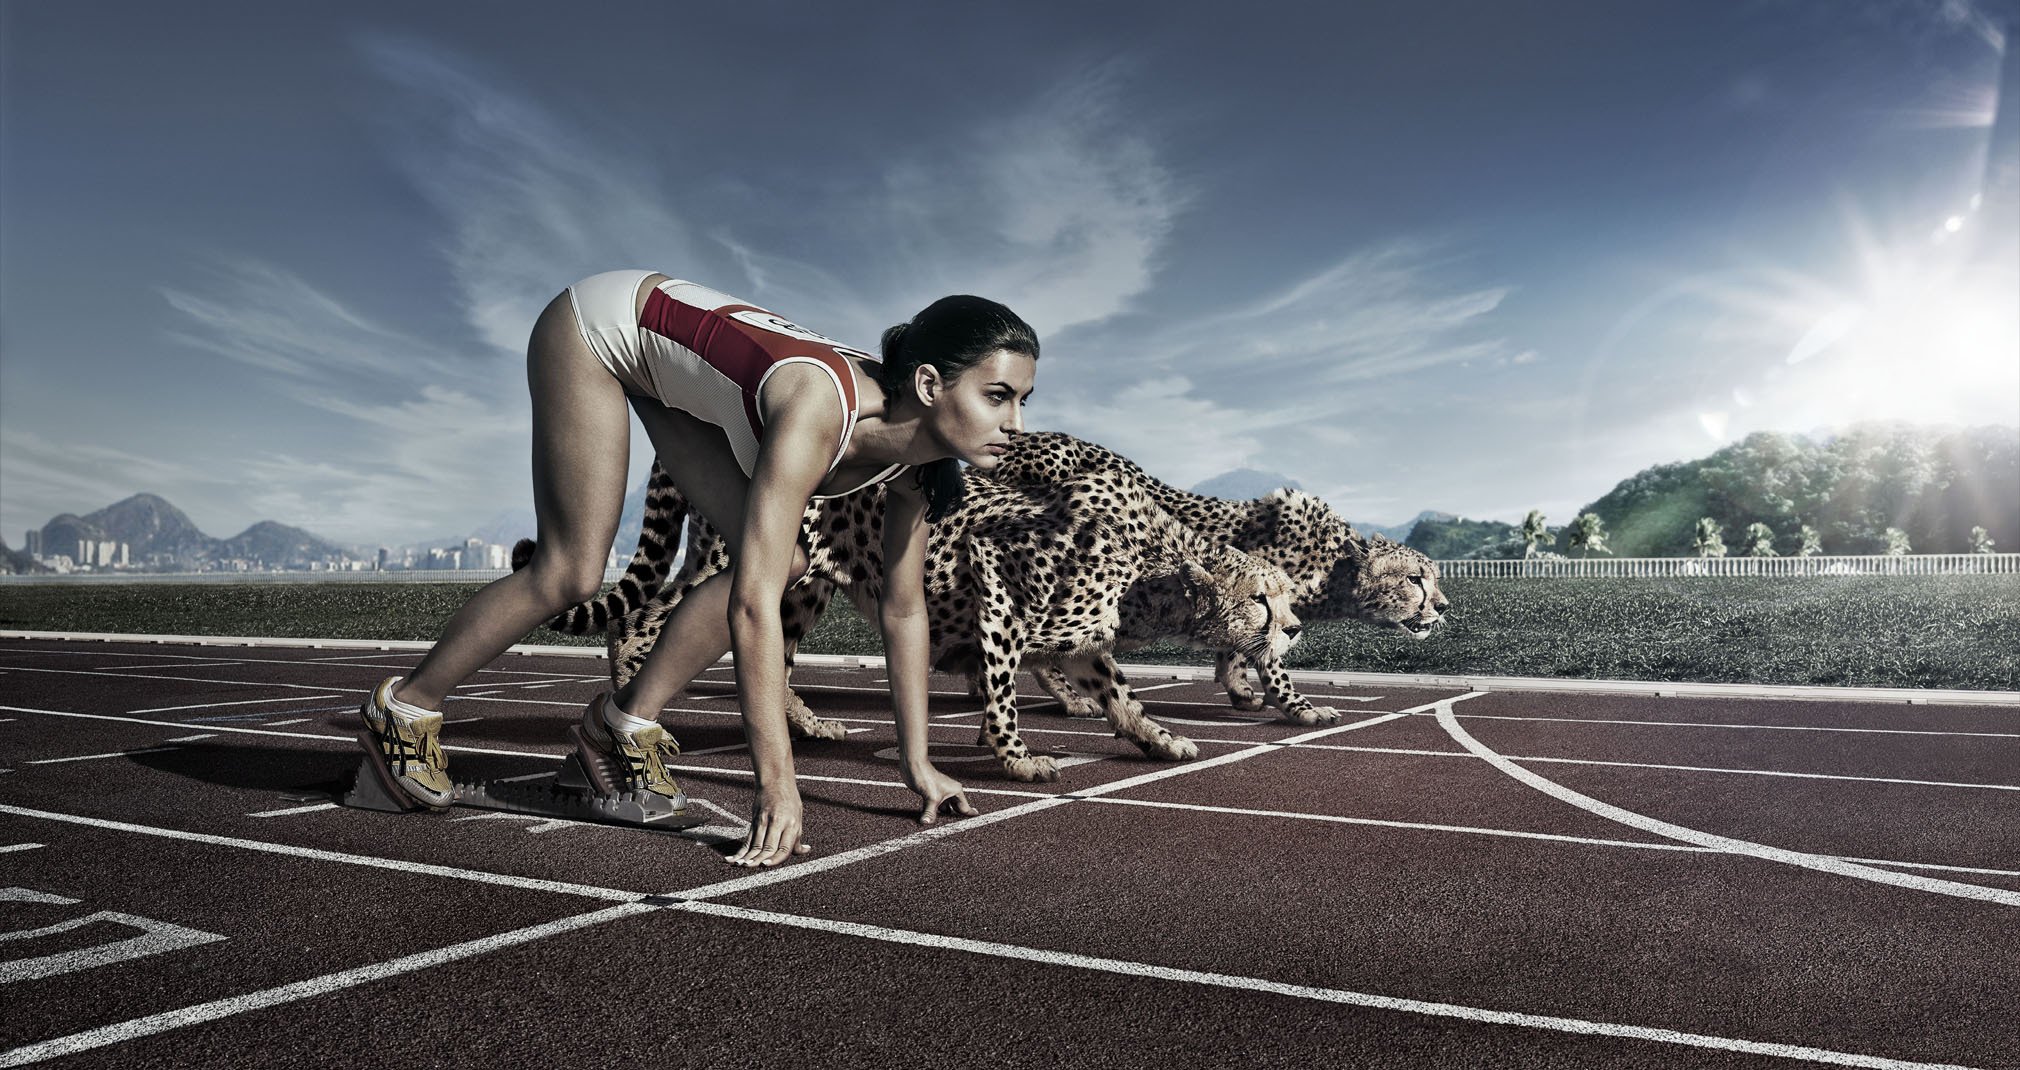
{"x":279,"y":261}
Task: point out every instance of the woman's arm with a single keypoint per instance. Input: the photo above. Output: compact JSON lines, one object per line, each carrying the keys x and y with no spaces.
{"x":907,"y":646}
{"x":803,"y":422}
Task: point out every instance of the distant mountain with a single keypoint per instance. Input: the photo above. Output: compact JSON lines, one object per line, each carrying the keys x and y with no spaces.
{"x":1244,"y":483}
{"x":1934,"y":484}
{"x":150,"y":525}
{"x":1444,"y":537}
{"x":275,"y":545}
{"x":158,"y":535}
{"x":1401,"y":532}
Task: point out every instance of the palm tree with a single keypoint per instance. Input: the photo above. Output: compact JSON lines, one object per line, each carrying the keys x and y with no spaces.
{"x":1760,"y":540}
{"x":1707,"y":538}
{"x":1813,"y":543}
{"x":1533,"y":531}
{"x":1897,"y":543}
{"x":1981,"y":540}
{"x":1587,"y":535}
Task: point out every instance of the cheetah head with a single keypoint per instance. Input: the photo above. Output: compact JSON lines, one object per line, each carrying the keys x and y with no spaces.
{"x":1242,"y":604}
{"x":1388,"y":585}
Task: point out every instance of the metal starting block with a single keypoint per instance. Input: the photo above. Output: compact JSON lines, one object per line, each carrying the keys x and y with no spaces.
{"x":568,"y":794}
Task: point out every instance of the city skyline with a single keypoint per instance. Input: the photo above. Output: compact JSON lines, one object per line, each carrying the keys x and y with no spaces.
{"x":280,"y":264}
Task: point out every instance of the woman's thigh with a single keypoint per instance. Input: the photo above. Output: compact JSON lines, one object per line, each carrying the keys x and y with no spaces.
{"x":581,"y":439}
{"x":697,"y":456}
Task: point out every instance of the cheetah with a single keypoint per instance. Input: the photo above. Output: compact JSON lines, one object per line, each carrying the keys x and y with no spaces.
{"x":1044,"y":574}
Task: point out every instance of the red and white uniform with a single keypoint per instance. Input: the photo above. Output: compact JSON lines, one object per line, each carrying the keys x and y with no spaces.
{"x":707,"y":354}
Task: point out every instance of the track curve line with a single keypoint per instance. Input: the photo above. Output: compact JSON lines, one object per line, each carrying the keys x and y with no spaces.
{"x":1450,"y":723}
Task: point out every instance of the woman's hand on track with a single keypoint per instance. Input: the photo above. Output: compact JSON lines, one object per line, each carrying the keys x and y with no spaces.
{"x":774,"y":829}
{"x":938,"y":789}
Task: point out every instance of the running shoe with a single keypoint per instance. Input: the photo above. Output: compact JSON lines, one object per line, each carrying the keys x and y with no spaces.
{"x":617,"y":760}
{"x":407,"y":749}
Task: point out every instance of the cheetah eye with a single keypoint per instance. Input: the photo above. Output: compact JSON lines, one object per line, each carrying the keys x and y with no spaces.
{"x":1417,"y":579}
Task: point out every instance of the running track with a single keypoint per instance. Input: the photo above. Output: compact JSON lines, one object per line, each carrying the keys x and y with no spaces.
{"x":1446,"y":878}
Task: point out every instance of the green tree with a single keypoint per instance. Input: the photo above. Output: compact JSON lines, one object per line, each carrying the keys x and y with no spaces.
{"x":1897,"y":542}
{"x":1981,"y":541}
{"x":1813,"y":543}
{"x":1587,"y":535}
{"x":1760,"y":540}
{"x":1707,"y":540}
{"x":1533,"y":531}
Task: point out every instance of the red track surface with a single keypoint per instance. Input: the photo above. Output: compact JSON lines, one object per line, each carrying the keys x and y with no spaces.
{"x":1366,"y":895}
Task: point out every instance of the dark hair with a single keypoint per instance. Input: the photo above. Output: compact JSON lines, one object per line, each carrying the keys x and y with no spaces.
{"x":952,"y":334}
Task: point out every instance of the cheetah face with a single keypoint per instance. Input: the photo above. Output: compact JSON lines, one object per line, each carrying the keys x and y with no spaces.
{"x":1398,"y":588}
{"x":1250,"y":611}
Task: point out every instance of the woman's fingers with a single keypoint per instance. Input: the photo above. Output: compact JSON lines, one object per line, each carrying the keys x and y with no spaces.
{"x":958,"y":797}
{"x":771,"y":841}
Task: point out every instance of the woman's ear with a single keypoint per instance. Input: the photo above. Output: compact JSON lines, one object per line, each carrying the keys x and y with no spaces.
{"x":926,"y":384}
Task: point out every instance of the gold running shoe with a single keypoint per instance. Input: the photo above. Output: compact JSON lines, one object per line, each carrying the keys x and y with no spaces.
{"x":406,"y":750}
{"x":619,"y":761}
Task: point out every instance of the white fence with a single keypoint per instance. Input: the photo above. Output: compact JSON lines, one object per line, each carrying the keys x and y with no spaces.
{"x":1894,"y":565}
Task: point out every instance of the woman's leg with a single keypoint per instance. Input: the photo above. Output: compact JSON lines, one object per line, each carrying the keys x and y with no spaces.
{"x":696,"y":635}
{"x":581,"y":449}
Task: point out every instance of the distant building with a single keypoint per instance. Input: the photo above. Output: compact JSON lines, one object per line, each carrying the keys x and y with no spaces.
{"x":35,"y":543}
{"x":497,"y":557}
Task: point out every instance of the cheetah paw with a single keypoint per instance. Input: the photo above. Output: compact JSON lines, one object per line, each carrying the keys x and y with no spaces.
{"x":811,"y":727}
{"x":1249,"y":702}
{"x":1080,"y":706}
{"x":1313,"y":715}
{"x":1035,"y":768}
{"x":1172,"y":749}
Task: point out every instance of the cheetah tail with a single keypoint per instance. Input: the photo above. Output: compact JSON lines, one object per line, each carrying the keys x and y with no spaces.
{"x":658,"y":536}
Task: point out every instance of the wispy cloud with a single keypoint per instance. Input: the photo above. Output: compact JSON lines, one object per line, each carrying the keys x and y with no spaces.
{"x":531,"y":202}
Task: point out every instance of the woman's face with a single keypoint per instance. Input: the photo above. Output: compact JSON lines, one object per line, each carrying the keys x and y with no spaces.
{"x":974,"y":415}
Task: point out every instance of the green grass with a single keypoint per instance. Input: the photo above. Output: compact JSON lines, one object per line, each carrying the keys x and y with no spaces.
{"x":1858,"y":631}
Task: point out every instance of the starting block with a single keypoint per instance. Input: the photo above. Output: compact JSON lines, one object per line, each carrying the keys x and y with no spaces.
{"x":570,"y":794}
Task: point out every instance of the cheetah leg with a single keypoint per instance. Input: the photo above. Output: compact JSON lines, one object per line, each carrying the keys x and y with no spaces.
{"x":1098,"y":675}
{"x":1283,"y":694}
{"x":1055,"y":683}
{"x":1002,"y":642}
{"x":1232,"y":672}
{"x":799,"y":611}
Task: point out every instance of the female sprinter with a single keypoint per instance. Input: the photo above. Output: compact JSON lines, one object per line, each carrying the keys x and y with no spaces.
{"x":752,"y":417}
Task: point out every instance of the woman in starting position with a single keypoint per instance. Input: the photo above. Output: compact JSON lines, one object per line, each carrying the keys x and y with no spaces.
{"x":752,"y":417}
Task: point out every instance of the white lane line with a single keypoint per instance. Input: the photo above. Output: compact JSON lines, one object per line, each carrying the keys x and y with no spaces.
{"x":298,"y":720}
{"x":198,"y":664}
{"x":1150,"y":971}
{"x":18,"y":847}
{"x":316,"y":855}
{"x":156,"y":938}
{"x":187,"y":679}
{"x":1648,"y":765}
{"x":1135,"y":690}
{"x":1756,"y":727}
{"x":243,"y":702}
{"x":309,"y":809}
{"x":1450,"y":722}
{"x":318,"y":986}
{"x":464,"y":720}
{"x":713,"y":750}
{"x":191,"y":739}
{"x":811,"y":866}
{"x":215,"y":728}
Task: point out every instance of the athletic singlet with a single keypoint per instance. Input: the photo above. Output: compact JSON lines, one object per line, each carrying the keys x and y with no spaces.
{"x":709,"y":354}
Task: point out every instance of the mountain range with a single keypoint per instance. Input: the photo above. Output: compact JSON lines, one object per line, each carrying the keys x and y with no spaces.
{"x":1932,"y":485}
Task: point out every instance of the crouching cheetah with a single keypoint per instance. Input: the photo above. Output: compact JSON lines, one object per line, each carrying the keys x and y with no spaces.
{"x":1339,"y":574}
{"x":1043,"y":573}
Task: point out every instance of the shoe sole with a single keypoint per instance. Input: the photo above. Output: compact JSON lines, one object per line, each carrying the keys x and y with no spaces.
{"x":383,"y":774}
